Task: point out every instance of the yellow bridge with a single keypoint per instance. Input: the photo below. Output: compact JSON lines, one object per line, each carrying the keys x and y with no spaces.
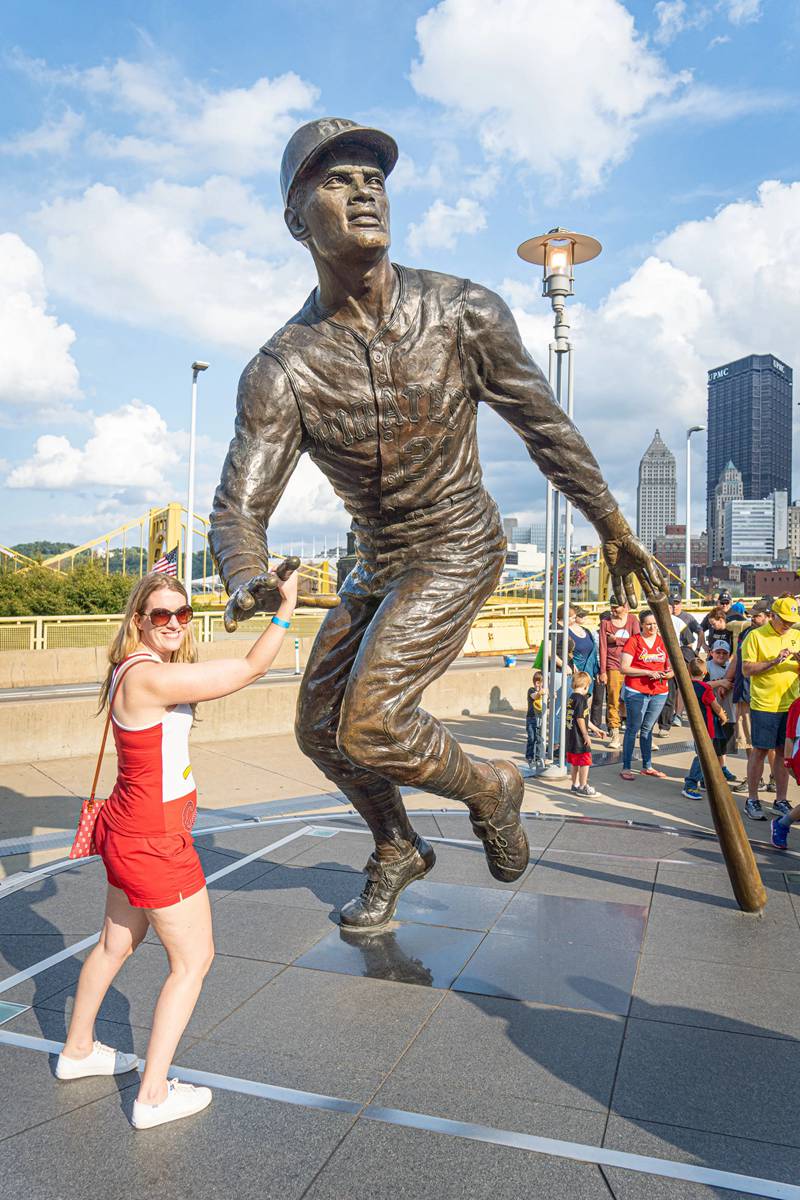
{"x":511,"y":621}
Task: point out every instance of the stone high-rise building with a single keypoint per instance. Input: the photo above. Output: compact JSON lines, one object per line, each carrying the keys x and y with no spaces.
{"x":656,"y":493}
{"x":729,"y":487}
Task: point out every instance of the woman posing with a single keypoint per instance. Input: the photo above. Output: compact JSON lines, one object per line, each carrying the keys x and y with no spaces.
{"x":143,"y":834}
{"x":647,"y":671}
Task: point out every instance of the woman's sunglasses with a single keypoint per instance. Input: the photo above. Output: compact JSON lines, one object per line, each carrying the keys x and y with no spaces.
{"x":161,"y":616}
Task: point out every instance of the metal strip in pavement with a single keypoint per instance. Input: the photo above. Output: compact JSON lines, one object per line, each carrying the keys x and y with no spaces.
{"x":555,"y":1148}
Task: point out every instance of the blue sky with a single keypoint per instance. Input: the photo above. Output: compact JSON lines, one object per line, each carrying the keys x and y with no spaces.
{"x":140,"y":221}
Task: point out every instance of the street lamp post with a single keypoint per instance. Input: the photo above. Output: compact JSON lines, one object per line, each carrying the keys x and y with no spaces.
{"x":197,"y":367}
{"x":557,"y":252}
{"x":688,"y":580}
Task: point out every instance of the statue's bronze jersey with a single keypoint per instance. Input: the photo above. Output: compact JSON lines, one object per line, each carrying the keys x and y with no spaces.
{"x":392,"y":424}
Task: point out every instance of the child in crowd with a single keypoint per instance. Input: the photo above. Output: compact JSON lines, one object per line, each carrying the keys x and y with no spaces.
{"x":791,"y":756}
{"x":579,"y":748}
{"x":533,"y":724}
{"x":717,"y":724}
{"x":717,"y":665}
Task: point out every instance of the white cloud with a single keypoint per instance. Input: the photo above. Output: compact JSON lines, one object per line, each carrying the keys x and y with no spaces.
{"x":309,"y":502}
{"x":741,"y":12}
{"x":676,"y":16}
{"x":51,"y":137}
{"x":503,"y":67}
{"x":181,"y":125}
{"x":711,"y":291}
{"x":565,"y":86}
{"x":130,"y":448}
{"x":443,"y":223}
{"x":191,"y":260}
{"x":36,"y":366}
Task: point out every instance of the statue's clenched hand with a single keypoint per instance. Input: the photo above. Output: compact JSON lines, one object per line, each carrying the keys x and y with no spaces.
{"x":626,"y":557}
{"x":260,"y":594}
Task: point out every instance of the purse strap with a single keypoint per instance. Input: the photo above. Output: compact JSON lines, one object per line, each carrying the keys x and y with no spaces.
{"x":131,"y":662}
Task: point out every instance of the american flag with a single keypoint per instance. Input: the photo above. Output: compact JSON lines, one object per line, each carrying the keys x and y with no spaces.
{"x":168,"y":563}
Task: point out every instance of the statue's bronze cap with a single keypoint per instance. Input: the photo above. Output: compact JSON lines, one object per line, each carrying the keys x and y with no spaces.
{"x":307,"y":142}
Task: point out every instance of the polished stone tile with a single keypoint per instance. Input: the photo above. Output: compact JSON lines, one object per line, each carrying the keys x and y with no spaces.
{"x":240,"y":1146}
{"x":467,"y":865}
{"x":561,"y":873}
{"x":238,"y":843}
{"x":71,"y":903}
{"x":708,"y":1079}
{"x":32,"y":1095}
{"x":569,"y":921}
{"x":451,"y":904}
{"x":342,"y":852}
{"x":516,"y":1065}
{"x":600,"y":839}
{"x":132,"y":998}
{"x":306,"y":887}
{"x":694,"y":909}
{"x":20,"y":951}
{"x":271,"y":933}
{"x":429,"y":955}
{"x":742,"y":1155}
{"x":596,"y":978}
{"x":717,"y":996}
{"x":317,"y":1031}
{"x":383,"y":1162}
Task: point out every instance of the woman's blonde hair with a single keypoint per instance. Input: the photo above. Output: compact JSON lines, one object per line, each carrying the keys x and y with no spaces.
{"x":128,"y":638}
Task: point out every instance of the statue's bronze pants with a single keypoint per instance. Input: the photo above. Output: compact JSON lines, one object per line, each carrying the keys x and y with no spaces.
{"x":358,"y":713}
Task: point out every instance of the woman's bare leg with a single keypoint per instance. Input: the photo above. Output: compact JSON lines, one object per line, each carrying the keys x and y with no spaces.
{"x":185,"y":933}
{"x":123,"y":929}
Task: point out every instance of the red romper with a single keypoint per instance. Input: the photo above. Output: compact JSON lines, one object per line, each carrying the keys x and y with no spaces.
{"x":143,"y":831}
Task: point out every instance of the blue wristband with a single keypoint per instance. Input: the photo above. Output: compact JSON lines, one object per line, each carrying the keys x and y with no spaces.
{"x":280,"y":621}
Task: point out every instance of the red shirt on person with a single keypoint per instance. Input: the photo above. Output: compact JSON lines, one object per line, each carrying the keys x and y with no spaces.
{"x":647,"y":658}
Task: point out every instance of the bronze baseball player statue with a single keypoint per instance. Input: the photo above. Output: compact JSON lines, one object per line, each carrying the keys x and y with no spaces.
{"x":379,"y":378}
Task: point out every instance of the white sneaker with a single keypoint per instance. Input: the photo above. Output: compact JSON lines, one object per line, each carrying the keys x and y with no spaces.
{"x":183,"y":1100}
{"x":103,"y":1060}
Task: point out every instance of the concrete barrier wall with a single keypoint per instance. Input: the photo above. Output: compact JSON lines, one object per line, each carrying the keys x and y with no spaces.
{"x":32,"y":731}
{"x":39,"y":668}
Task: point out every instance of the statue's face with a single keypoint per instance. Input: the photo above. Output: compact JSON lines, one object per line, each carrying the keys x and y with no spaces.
{"x":341,"y":207}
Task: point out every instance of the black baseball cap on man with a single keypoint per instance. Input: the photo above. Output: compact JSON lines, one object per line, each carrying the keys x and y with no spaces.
{"x":760,"y":606}
{"x":724,"y":598}
{"x":675,"y":597}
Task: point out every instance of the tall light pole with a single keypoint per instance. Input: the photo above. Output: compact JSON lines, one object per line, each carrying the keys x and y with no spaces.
{"x":557,"y":252}
{"x":688,"y":580}
{"x":197,"y":367}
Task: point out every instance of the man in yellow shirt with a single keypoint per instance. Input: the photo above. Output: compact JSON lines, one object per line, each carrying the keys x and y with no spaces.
{"x":771,"y":661}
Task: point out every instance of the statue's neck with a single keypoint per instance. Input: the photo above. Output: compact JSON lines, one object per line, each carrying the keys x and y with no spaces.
{"x":360,"y":297}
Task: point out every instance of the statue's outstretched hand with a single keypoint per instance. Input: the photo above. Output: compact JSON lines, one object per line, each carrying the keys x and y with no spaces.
{"x":259,"y":594}
{"x":626,"y":557}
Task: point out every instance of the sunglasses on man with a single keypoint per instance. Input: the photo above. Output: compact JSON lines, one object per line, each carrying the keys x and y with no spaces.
{"x":159,"y":617}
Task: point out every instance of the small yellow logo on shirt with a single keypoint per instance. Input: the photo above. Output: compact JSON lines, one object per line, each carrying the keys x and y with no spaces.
{"x":187,"y":772}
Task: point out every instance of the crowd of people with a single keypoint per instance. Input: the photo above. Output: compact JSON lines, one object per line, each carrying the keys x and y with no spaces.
{"x":745,"y":670}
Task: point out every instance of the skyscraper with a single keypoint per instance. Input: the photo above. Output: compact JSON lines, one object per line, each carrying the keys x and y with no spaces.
{"x":655,"y":495}
{"x":729,"y":487}
{"x":750,"y":425}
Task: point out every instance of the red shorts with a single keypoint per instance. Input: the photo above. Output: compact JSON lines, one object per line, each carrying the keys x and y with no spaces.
{"x":580,"y":760}
{"x":153,"y":872}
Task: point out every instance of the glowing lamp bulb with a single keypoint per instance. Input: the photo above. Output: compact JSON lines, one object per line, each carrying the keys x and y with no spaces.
{"x":559,"y":258}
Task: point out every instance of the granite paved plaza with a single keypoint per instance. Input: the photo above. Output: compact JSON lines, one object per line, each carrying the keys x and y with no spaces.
{"x":609,"y":1026}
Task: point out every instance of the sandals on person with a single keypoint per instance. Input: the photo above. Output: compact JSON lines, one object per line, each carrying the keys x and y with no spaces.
{"x":653,"y":773}
{"x":627,"y":775}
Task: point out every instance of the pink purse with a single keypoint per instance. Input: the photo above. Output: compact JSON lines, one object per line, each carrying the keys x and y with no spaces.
{"x":83,"y":845}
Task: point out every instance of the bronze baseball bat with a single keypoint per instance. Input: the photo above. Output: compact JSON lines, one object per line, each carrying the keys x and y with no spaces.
{"x":315,"y":600}
{"x":737,"y":852}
